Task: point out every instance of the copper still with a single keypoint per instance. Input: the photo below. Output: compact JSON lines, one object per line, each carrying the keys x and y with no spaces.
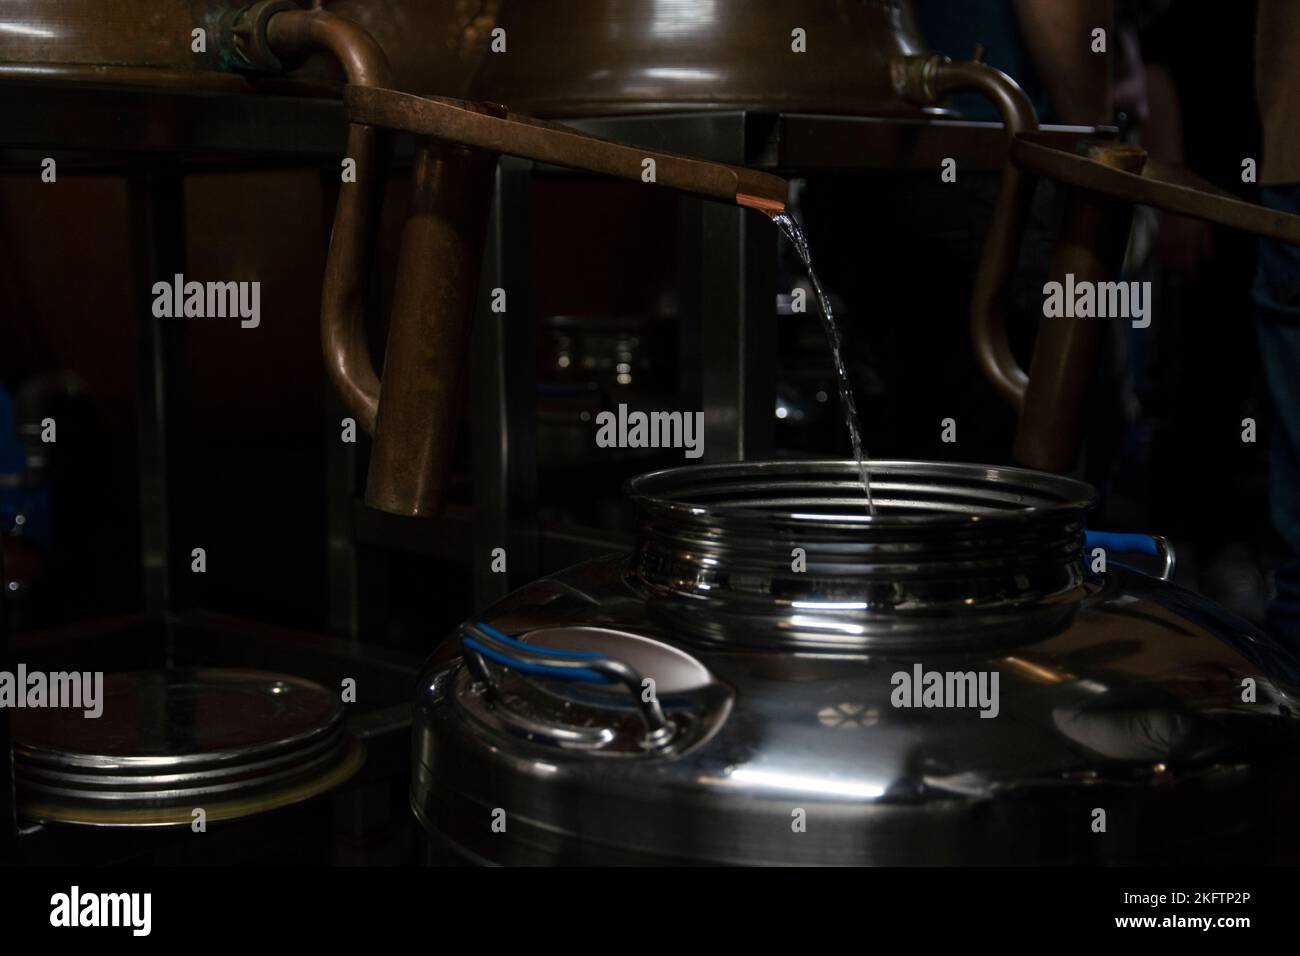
{"x":634,"y":56}
{"x":432,"y":45}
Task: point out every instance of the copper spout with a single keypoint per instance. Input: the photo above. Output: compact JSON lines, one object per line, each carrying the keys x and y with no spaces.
{"x":513,"y":134}
{"x":769,"y":206}
{"x":412,"y":413}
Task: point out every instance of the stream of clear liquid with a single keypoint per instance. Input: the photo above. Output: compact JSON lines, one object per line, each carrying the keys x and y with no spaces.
{"x":792,"y":232}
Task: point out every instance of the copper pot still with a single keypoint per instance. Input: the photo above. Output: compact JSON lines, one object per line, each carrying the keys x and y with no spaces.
{"x":608,"y":57}
{"x":432,"y":46}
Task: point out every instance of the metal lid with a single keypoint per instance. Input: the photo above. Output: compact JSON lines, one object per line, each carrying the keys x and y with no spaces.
{"x":233,"y":742}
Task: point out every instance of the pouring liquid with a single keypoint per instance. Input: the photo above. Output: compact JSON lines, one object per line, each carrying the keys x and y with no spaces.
{"x":790,"y":229}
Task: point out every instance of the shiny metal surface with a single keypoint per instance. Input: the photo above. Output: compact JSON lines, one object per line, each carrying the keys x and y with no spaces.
{"x":152,"y":719}
{"x":716,"y":547}
{"x":1169,"y":559}
{"x":232,"y":741}
{"x":603,"y":57}
{"x":1120,"y":692}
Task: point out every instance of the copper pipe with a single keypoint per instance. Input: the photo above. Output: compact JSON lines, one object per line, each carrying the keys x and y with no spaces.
{"x":1050,"y":401}
{"x":343,"y":295}
{"x":1159,"y":185}
{"x":514,"y":134}
{"x":428,"y":334}
{"x":292,"y":34}
{"x":1090,"y":247}
{"x":297,"y":33}
{"x":926,"y":80}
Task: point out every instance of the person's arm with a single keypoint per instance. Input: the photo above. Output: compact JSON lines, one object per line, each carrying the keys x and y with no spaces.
{"x":1059,"y":36}
{"x":1182,"y":244}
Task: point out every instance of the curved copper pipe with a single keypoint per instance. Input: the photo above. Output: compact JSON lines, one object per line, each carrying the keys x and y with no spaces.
{"x":295,"y":33}
{"x":1092,"y":235}
{"x":1089,"y":246}
{"x":291,"y":34}
{"x":927,"y":79}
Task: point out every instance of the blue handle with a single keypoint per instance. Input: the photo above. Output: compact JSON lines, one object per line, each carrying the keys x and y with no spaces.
{"x":481,"y":641}
{"x":583,"y":674}
{"x":1148,"y":544}
{"x":1122,"y":543}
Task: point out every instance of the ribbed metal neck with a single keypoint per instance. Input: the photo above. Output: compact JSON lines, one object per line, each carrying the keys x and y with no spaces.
{"x":785,"y":553}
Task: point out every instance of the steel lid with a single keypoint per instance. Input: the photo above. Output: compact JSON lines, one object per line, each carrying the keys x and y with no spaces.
{"x":232,"y":741}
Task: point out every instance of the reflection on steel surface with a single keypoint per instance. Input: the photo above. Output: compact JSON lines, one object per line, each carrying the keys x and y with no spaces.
{"x":1120,"y":691}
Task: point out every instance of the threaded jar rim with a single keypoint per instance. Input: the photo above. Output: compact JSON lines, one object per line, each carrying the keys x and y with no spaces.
{"x":784,"y":552}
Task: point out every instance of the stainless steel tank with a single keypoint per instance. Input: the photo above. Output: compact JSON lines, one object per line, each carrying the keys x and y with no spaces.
{"x":793,"y":717}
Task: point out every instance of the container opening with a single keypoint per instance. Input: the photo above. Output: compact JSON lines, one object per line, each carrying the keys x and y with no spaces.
{"x":829,"y":492}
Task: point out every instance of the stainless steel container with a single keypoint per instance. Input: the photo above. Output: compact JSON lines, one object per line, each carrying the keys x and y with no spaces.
{"x":793,"y":644}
